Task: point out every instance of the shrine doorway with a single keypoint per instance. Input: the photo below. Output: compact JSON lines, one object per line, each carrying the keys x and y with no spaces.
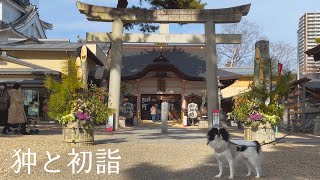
{"x":174,"y":100}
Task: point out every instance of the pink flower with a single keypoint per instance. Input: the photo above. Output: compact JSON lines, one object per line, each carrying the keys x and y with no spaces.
{"x":256,"y":117}
{"x":82,"y":116}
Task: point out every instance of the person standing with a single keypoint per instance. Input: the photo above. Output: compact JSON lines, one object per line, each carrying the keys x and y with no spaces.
{"x":158,"y":113}
{"x":16,"y":113}
{"x":4,"y":104}
{"x":153,"y":111}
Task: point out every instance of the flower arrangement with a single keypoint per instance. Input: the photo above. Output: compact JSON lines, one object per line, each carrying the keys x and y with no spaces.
{"x":86,"y":112}
{"x":79,"y":116}
{"x":261,"y":105}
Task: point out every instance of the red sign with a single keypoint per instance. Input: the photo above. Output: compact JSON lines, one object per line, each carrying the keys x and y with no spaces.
{"x":216,"y":111}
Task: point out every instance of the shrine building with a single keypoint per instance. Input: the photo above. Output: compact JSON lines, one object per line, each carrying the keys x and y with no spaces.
{"x":152,"y":74}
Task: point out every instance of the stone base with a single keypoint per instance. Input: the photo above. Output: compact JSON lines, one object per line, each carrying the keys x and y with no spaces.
{"x":263,"y":135}
{"x":76,"y":137}
{"x":203,"y":124}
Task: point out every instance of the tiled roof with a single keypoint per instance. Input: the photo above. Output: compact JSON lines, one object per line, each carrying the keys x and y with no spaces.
{"x":246,"y":71}
{"x":52,"y":46}
{"x":188,"y":59}
{"x":22,"y":71}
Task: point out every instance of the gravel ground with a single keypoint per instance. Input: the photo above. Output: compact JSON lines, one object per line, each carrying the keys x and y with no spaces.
{"x":192,"y":161}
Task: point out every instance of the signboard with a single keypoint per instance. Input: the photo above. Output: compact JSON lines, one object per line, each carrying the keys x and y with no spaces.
{"x":109,"y":124}
{"x":128,"y":110}
{"x":192,"y":110}
{"x":215,"y":118}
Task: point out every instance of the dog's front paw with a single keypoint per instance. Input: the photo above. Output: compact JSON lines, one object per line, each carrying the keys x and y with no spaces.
{"x":230,"y":177}
{"x":218,"y":176}
{"x":257,"y":177}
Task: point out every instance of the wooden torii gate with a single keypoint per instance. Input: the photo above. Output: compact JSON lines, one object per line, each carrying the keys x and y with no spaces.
{"x":118,"y":17}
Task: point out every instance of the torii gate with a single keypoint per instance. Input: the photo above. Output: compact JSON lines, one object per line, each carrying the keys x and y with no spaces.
{"x":207,"y":16}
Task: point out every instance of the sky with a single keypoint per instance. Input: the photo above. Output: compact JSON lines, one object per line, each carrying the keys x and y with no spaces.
{"x":278,"y":19}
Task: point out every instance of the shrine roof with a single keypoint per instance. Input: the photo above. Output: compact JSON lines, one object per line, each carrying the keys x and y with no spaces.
{"x":186,"y":61}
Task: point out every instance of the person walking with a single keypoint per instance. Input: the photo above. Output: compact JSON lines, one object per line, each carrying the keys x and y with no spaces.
{"x":153,"y":111}
{"x":16,"y":113}
{"x":4,"y":105}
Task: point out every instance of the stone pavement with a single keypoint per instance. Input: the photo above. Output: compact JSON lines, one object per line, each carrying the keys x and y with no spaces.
{"x":148,"y":154}
{"x":153,"y":135}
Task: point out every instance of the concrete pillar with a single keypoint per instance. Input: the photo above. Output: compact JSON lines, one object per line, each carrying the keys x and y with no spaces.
{"x":211,"y":69}
{"x":115,"y":70}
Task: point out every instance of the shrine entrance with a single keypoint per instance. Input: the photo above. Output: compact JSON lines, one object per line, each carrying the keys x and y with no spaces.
{"x":120,"y":16}
{"x":174,"y":100}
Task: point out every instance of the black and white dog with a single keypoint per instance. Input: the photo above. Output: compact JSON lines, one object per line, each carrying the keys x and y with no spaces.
{"x":247,"y":151}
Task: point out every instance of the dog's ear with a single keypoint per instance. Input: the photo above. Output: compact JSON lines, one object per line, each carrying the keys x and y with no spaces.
{"x":224,"y":133}
{"x":212,"y":133}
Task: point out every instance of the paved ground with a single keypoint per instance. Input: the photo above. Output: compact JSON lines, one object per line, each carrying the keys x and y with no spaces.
{"x":148,"y":154}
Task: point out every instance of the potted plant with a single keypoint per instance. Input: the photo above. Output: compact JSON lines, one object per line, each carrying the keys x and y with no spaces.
{"x":260,"y":109}
{"x":76,"y":108}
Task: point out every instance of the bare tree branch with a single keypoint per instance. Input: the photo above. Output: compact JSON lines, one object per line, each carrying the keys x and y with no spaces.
{"x":239,"y":54}
{"x":284,"y":53}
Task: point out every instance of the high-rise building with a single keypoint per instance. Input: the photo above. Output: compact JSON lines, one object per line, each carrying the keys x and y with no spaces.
{"x":309,"y":30}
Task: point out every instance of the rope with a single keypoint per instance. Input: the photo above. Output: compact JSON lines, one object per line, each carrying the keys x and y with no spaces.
{"x":277,"y":138}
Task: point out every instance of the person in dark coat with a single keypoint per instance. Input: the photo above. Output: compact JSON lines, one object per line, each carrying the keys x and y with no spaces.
{"x":16,"y":113}
{"x":4,"y":105}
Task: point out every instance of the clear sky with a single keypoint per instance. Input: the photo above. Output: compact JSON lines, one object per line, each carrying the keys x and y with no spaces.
{"x":277,"y":18}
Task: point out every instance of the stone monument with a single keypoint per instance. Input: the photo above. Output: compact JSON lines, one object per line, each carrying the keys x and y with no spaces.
{"x":262,"y":64}
{"x":164,"y":117}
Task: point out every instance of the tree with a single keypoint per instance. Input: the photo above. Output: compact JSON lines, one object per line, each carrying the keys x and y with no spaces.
{"x":160,"y":4}
{"x":62,"y":94}
{"x":284,"y":53}
{"x":239,"y":54}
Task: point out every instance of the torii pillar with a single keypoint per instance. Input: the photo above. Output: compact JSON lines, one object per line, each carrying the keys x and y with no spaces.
{"x":115,"y":69}
{"x":119,"y":16}
{"x":211,"y":70}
